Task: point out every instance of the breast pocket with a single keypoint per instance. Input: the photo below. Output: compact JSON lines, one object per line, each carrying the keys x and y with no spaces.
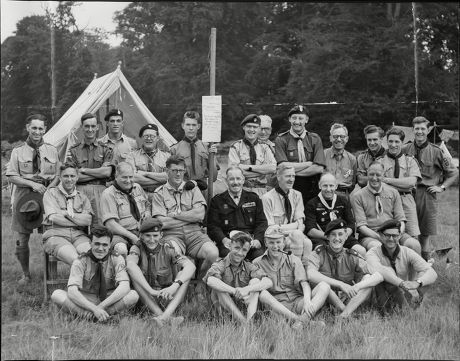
{"x":278,"y":217}
{"x":227,"y":218}
{"x":286,"y":281}
{"x":49,"y":165}
{"x":164,"y":276}
{"x":249,"y":215}
{"x":25,"y":167}
{"x":123,"y":208}
{"x":292,"y":154}
{"x":98,"y":160}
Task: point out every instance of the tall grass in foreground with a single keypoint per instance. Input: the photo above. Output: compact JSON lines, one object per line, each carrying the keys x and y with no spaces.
{"x":33,"y":330}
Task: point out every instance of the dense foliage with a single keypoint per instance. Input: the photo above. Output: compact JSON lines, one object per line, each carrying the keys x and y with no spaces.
{"x":269,"y":56}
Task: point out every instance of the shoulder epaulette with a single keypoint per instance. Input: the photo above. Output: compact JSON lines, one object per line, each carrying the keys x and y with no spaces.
{"x":19,"y":145}
{"x":158,"y":189}
{"x":237,"y":141}
{"x":436,"y":146}
{"x":283,"y":133}
{"x":74,"y":146}
{"x":354,"y":253}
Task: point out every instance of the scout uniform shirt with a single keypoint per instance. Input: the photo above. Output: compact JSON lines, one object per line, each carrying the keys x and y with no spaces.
{"x":159,"y":266}
{"x":366,"y":158}
{"x":121,"y":147}
{"x":155,"y":162}
{"x":239,"y":154}
{"x":273,"y":203}
{"x":346,"y":266}
{"x":343,"y":166}
{"x":408,"y":167}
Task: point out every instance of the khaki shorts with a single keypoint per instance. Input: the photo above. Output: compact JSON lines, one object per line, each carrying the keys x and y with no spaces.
{"x":55,"y":238}
{"x":427,"y":211}
{"x":410,"y":211}
{"x":294,"y":305}
{"x":189,"y":238}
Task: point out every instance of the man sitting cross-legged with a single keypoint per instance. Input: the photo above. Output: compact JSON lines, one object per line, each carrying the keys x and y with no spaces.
{"x":98,"y":283}
{"x":158,"y":272}
{"x":343,"y":269}
{"x":290,"y":295}
{"x":235,"y":281}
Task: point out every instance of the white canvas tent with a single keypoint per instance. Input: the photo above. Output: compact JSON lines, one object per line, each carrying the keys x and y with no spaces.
{"x":102,"y":94}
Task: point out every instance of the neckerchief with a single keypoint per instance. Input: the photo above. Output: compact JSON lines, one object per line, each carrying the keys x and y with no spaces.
{"x":334,"y":257}
{"x":252,"y":151}
{"x":332,"y":214}
{"x":418,"y":149}
{"x":89,"y":148}
{"x":378,"y":201}
{"x":99,"y":275}
{"x":192,"y":143}
{"x":36,"y":154}
{"x":391,"y":258}
{"x":396,"y":159}
{"x":150,"y":261}
{"x":69,"y":199}
{"x":287,"y":203}
{"x":150,"y":155}
{"x":175,"y":193}
{"x":379,"y":153}
{"x":132,"y":202}
{"x":300,"y":148}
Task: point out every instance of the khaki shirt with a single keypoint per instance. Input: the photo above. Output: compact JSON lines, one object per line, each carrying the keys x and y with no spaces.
{"x":273,"y":203}
{"x":409,"y":265}
{"x":94,"y":155}
{"x":286,"y":148}
{"x":343,"y":166}
{"x":84,"y":268}
{"x":408,"y":167}
{"x":364,"y":160}
{"x":434,"y":164}
{"x":121,"y":147}
{"x":239,"y":154}
{"x":363,"y":203}
{"x":234,"y":276}
{"x":115,"y":204}
{"x":54,"y":201}
{"x":141,"y":161}
{"x":286,"y":277}
{"x":21,"y":162}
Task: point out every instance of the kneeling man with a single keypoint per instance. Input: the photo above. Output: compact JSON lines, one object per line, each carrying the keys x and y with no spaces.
{"x":98,"y":284}
{"x":158,"y":273}
{"x":236,"y":282}
{"x":343,"y":269}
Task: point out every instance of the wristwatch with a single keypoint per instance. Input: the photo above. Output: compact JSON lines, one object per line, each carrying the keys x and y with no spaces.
{"x":179,"y":282}
{"x":443,"y":187}
{"x":420,"y":283}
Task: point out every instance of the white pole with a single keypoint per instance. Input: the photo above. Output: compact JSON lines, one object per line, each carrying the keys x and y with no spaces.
{"x":212,"y":91}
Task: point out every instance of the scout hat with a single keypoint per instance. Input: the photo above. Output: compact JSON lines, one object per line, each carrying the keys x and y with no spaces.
{"x":265,"y":121}
{"x":274,"y":232}
{"x":30,"y":210}
{"x":335,"y":224}
{"x":298,"y":109}
{"x":113,"y":112}
{"x":251,"y":118}
{"x":148,"y":126}
{"x":151,"y":225}
{"x":390,"y":224}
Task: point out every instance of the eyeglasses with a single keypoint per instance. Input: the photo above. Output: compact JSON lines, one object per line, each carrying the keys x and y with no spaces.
{"x":265,"y":129}
{"x":177,"y":171}
{"x":393,"y":236}
{"x":149,"y":136}
{"x":339,"y":136}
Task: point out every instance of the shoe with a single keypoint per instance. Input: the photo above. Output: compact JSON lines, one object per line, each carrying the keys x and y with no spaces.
{"x":25,"y":280}
{"x":175,"y":321}
{"x":297,"y":325}
{"x":160,"y":322}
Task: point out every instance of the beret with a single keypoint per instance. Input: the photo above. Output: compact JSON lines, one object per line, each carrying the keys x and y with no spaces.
{"x":151,"y":225}
{"x":390,"y":224}
{"x":251,"y":118}
{"x":335,"y":224}
{"x":148,"y":126}
{"x":298,"y":109}
{"x":274,"y":232}
{"x":113,"y":112}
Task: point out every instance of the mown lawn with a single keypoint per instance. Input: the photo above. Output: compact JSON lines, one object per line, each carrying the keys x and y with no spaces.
{"x":30,"y":329}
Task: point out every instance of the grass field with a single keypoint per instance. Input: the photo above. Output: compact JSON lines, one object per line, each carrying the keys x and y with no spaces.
{"x":30,"y":329}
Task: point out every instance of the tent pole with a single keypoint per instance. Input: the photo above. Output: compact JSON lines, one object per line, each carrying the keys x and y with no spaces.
{"x":212,"y":91}
{"x":53,"y":71}
{"x":414,"y":16}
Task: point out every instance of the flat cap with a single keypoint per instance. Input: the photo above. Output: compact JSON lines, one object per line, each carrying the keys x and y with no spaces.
{"x":274,"y":232}
{"x":335,"y":224}
{"x":151,"y":225}
{"x":148,"y":126}
{"x":298,"y":109}
{"x":390,"y":224}
{"x":251,"y":118}
{"x":113,"y":112}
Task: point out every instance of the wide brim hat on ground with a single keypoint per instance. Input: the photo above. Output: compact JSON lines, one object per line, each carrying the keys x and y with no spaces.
{"x":30,"y":210}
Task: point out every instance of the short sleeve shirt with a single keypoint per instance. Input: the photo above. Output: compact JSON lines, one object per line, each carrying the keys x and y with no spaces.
{"x":54,"y":201}
{"x":94,"y":155}
{"x":234,"y":276}
{"x":115,"y":204}
{"x":408,"y":167}
{"x":155,"y":163}
{"x":343,"y":166}
{"x":122,"y":147}
{"x":273,"y":203}
{"x":286,"y":148}
{"x":84,"y":269}
{"x":182,"y":149}
{"x":364,"y":160}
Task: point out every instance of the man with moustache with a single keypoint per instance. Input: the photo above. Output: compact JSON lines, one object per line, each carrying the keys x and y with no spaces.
{"x":402,"y":172}
{"x":236,"y":210}
{"x":123,"y":205}
{"x":235,"y":282}
{"x":375,"y":204}
{"x":33,"y":167}
{"x":303,"y":150}
{"x":374,"y":136}
{"x":344,"y":270}
{"x":98,"y":285}
{"x":254,"y":158}
{"x":438,"y":173}
{"x":283,"y":206}
{"x":67,"y":216}
{"x":339,"y":162}
{"x":326,"y":207}
{"x":93,"y":162}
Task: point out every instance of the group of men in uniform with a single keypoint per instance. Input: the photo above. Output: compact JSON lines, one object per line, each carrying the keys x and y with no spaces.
{"x":134,"y":224}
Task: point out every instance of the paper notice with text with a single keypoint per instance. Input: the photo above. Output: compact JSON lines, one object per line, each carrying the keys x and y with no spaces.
{"x":212,"y":118}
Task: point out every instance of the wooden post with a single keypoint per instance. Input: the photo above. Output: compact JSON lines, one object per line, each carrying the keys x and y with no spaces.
{"x":53,"y":71}
{"x":212,"y":91}
{"x":414,"y":16}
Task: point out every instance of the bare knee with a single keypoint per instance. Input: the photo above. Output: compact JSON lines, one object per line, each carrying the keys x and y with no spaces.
{"x":121,"y":249}
{"x":413,"y":244}
{"x":59,"y":297}
{"x":131,"y":298}
{"x":360,"y":249}
{"x":254,"y":281}
{"x":209,"y":252}
{"x":323,"y":287}
{"x":83,"y":248}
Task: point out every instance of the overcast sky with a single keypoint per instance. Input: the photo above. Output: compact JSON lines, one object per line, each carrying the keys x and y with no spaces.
{"x":88,"y":15}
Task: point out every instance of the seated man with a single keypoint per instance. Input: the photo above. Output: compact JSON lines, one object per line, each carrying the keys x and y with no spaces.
{"x":68,"y":214}
{"x":342,"y":269}
{"x":236,"y":283}
{"x":98,"y":283}
{"x":405,"y":273}
{"x":376,"y":203}
{"x":181,"y":210}
{"x":283,"y":206}
{"x":237,"y":209}
{"x":326,"y":207}
{"x":123,"y":205}
{"x":290,"y":295}
{"x":158,"y":273}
